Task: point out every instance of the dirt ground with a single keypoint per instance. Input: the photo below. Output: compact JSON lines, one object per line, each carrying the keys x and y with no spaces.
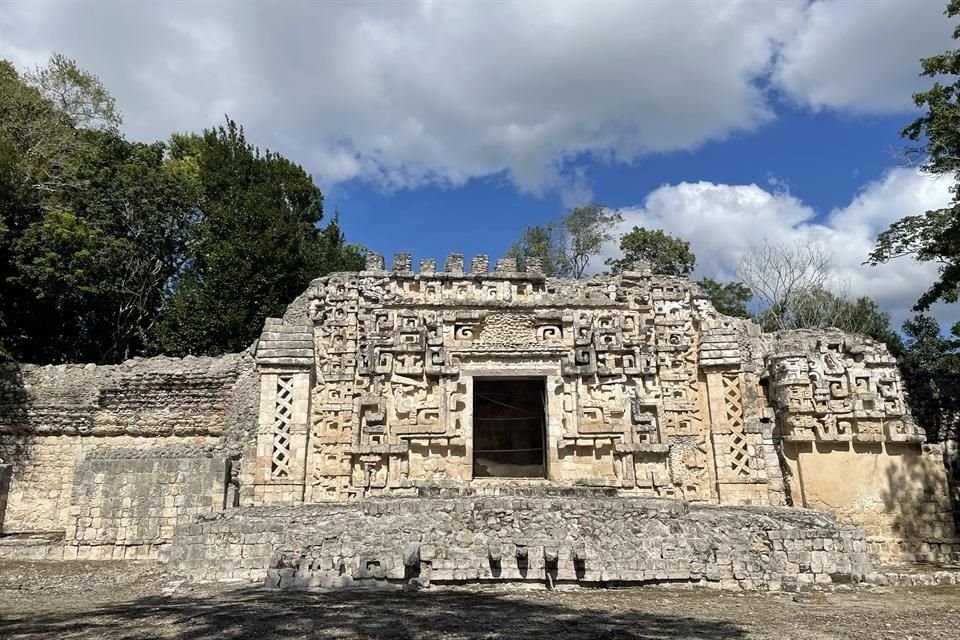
{"x":137,"y":601}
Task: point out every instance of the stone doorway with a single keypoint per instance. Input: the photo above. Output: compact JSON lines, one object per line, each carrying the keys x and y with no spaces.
{"x":509,"y":424}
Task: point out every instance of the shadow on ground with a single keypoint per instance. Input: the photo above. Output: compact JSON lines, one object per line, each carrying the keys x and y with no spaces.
{"x":358,"y":614}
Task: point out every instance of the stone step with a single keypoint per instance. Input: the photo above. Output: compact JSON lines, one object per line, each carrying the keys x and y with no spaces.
{"x":32,"y":545}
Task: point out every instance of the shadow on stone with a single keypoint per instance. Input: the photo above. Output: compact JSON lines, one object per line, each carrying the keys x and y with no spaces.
{"x":260,"y":614}
{"x":922,"y":513}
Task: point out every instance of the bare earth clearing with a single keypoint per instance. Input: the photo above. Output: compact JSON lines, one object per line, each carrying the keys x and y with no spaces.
{"x":127,"y":601}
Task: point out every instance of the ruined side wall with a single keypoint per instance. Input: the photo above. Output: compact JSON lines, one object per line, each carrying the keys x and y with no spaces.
{"x":896,"y":493}
{"x":850,"y":444}
{"x":51,"y":416}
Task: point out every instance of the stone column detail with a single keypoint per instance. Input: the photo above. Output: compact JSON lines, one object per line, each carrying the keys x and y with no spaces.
{"x":285,"y":361}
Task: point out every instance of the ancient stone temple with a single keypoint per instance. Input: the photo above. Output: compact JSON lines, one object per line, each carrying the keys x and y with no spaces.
{"x":453,"y":425}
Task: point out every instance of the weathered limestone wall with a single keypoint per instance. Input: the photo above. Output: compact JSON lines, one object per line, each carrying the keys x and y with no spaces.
{"x":51,"y":417}
{"x":5,"y":473}
{"x":896,"y":493}
{"x":586,"y":539}
{"x":368,"y":390}
{"x":126,"y":502}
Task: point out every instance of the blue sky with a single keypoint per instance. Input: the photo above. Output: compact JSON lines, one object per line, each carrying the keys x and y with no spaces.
{"x":449,"y":126}
{"x":823,"y":158}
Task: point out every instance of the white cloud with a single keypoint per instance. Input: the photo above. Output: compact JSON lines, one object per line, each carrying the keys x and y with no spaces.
{"x":407,"y":93}
{"x":862,"y":57}
{"x":725,"y":222}
{"x":425,"y":92}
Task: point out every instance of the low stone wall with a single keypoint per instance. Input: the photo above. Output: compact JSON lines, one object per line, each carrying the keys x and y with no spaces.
{"x":600,"y":540}
{"x":127,"y":503}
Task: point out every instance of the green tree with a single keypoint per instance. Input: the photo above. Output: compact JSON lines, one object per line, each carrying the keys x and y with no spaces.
{"x":729,"y":299}
{"x":545,"y":242}
{"x":41,"y":157}
{"x":75,"y":94}
{"x":256,"y":245}
{"x":819,"y":308}
{"x":864,"y":316}
{"x":933,"y":236}
{"x":586,"y":229}
{"x":57,"y":278}
{"x":928,"y":351}
{"x":665,"y":254}
{"x":931,"y":372}
{"x":670,"y":256}
{"x":110,"y":248}
{"x":42,"y":116}
{"x":106,"y":251}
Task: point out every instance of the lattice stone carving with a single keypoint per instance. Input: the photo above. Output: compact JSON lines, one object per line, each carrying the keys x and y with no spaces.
{"x":283,"y":415}
{"x":733,"y":402}
{"x":733,"y":417}
{"x":739,"y":456}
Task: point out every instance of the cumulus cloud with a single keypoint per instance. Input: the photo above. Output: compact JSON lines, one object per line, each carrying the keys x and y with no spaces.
{"x":725,"y":222}
{"x":408,"y":93}
{"x":862,"y":57}
{"x":411,"y":93}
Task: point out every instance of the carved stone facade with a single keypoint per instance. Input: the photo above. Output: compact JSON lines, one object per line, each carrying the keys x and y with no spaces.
{"x":834,"y":389}
{"x":646,"y":388}
{"x":383,"y":387}
{"x":635,"y":372}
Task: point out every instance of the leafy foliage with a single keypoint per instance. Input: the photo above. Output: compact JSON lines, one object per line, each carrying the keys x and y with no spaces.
{"x":665,"y":254}
{"x":75,"y":94}
{"x":586,"y":229}
{"x":110,"y":248}
{"x":819,"y":308}
{"x":255,"y":247}
{"x":864,"y":316}
{"x":928,"y":350}
{"x":545,"y":242}
{"x":39,"y":143}
{"x":933,"y":236}
{"x":567,"y":247}
{"x":105,"y":251}
{"x":730,"y":299}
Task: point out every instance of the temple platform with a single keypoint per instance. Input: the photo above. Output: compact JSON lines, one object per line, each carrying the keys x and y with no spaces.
{"x":597,"y":540}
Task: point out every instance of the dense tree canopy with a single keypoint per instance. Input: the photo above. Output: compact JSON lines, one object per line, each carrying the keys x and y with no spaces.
{"x":102,"y":253}
{"x":933,"y":236}
{"x":255,"y":246}
{"x":729,"y":298}
{"x":111,"y":248}
{"x":928,"y":350}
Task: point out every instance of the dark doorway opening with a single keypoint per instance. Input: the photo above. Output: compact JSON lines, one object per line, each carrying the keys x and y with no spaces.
{"x":509,"y":424}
